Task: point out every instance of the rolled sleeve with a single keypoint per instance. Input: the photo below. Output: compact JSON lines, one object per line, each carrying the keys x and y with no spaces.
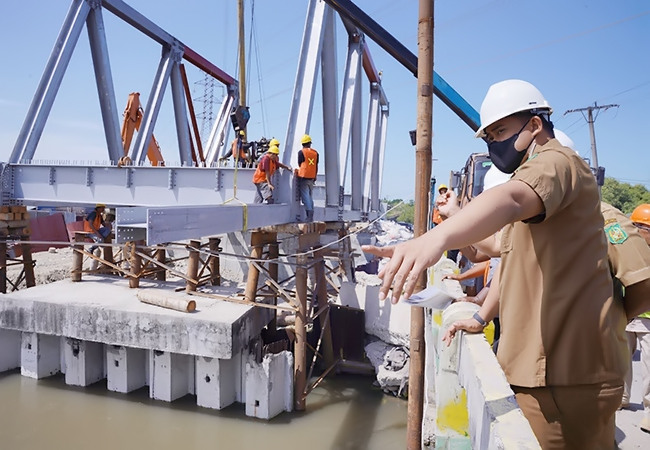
{"x":553,"y":177}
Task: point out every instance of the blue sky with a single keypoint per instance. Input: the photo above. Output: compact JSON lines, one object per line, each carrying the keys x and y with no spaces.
{"x":575,"y":52}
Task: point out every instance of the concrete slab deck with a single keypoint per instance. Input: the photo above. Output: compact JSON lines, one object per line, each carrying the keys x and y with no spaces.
{"x":105,"y":310}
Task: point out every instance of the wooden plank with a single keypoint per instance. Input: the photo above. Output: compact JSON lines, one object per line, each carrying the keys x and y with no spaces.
{"x":18,"y":208}
{"x":7,"y":216}
{"x":4,"y":209}
{"x":17,"y":223}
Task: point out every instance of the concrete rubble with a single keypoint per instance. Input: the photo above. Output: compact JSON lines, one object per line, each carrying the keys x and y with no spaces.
{"x":388,"y":325}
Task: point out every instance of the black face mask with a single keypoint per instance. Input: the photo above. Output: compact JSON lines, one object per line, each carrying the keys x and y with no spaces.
{"x":504,"y":155}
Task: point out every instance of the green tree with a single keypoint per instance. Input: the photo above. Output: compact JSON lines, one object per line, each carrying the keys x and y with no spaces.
{"x":624,"y":196}
{"x":404,"y":212}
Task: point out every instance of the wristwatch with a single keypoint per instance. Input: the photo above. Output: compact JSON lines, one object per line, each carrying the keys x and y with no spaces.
{"x":479,"y":319}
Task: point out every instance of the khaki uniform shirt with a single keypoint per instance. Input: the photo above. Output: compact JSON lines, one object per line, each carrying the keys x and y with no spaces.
{"x":561,"y":325}
{"x":628,"y":252}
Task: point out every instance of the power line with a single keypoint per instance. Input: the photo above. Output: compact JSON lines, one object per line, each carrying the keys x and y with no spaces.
{"x":590,"y":120}
{"x":627,"y":90}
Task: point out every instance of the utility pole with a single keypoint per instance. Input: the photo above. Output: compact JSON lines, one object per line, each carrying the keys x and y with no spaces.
{"x":590,"y":120}
{"x":423,"y":163}
{"x":242,"y":57}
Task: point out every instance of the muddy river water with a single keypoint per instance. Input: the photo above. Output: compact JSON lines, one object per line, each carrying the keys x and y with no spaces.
{"x":343,"y":413}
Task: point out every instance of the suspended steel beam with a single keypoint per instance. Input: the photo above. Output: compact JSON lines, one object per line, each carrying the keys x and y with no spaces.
{"x":349,"y":11}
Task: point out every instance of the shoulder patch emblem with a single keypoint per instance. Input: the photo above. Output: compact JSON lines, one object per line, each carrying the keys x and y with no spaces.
{"x":616,"y":234}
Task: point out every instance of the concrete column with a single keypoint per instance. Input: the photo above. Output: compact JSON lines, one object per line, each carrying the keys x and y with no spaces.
{"x":39,"y":355}
{"x":215,"y":382}
{"x":269,"y":387}
{"x":84,"y":362}
{"x":9,"y":350}
{"x":171,"y":376}
{"x":126,"y":368}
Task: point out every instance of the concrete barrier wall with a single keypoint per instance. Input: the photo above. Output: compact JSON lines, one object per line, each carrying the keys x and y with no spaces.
{"x":468,"y":404}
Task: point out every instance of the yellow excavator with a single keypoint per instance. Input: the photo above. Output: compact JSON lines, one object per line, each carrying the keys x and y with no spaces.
{"x":132,"y":119}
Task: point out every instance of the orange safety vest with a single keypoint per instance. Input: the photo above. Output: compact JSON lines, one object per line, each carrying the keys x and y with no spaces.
{"x":309,"y":167}
{"x":435,"y":217}
{"x":97,"y":223}
{"x":233,"y":149}
{"x":260,"y":175}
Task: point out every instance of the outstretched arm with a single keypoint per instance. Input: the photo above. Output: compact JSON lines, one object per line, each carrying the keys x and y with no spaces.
{"x":481,"y":218}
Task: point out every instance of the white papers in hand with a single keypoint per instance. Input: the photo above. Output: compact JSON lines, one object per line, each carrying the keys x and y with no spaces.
{"x":431,"y":297}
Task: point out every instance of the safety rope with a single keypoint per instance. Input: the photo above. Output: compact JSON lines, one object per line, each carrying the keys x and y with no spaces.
{"x":234,"y":194}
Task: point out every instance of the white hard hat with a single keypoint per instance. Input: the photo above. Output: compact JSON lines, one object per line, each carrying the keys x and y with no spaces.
{"x":494,"y":177}
{"x":565,"y":140}
{"x":509,"y":97}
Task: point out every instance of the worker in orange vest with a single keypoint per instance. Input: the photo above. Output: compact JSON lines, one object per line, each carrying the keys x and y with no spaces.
{"x":267,"y":166}
{"x":94,"y":223}
{"x":237,"y":148}
{"x":306,"y":175}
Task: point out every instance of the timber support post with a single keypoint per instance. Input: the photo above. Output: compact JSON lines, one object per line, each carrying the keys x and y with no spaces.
{"x":215,"y":265}
{"x":161,"y":257}
{"x":193,"y":265}
{"x":77,"y":256}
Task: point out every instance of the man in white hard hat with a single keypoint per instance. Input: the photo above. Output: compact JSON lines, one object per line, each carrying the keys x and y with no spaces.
{"x":563,"y":347}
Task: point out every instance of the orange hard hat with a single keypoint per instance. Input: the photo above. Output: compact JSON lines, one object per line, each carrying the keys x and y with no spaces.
{"x":641,"y":214}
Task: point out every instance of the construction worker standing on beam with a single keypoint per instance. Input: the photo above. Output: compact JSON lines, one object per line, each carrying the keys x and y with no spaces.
{"x":263,"y":176}
{"x":306,"y":175}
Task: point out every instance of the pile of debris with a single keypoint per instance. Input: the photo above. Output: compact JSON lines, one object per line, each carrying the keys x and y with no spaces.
{"x":387,"y":326}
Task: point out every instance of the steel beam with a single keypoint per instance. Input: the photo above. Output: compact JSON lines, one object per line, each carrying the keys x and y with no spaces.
{"x":356,"y":146}
{"x":52,"y":184}
{"x":178,"y":223}
{"x":218,"y":135}
{"x":329,"y":84}
{"x":378,"y":169}
{"x":350,"y":84}
{"x":48,"y":86}
{"x":138,"y":21}
{"x":351,"y":12}
{"x":303,"y":91}
{"x":104,"y":78}
{"x":372,"y":146}
{"x":139,"y":151}
{"x":180,"y":115}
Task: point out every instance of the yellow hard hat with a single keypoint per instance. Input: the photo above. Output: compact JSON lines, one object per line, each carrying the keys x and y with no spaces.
{"x":274,"y":150}
{"x":100,"y":205}
{"x":306,"y":139}
{"x":641,"y":214}
{"x":442,"y":186}
{"x":275,"y":142}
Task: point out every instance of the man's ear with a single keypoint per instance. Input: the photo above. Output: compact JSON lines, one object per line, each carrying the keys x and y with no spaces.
{"x":537,"y":125}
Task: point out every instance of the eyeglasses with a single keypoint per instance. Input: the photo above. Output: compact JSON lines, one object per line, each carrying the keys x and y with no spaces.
{"x":642,"y":226}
